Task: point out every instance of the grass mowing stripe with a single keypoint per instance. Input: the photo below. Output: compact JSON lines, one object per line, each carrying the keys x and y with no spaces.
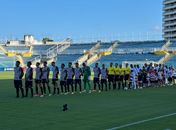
{"x":142,"y":121}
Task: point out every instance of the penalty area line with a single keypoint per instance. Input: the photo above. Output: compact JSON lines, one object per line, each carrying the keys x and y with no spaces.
{"x":142,"y":121}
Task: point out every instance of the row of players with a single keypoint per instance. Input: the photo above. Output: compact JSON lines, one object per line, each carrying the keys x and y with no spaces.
{"x":132,"y":77}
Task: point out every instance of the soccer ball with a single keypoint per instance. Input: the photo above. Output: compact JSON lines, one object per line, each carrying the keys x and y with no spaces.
{"x":125,"y":88}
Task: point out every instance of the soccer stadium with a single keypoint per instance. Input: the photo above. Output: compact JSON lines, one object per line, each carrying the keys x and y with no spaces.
{"x":101,"y":52}
{"x":93,"y":85}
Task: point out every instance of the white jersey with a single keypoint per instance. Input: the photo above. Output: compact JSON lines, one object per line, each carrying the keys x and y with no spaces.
{"x":63,"y":74}
{"x":29,"y":74}
{"x":55,"y":72}
{"x":38,"y":73}
{"x":133,"y":76}
{"x":157,"y":68}
{"x":78,"y":73}
{"x":70,"y":73}
{"x":170,"y":73}
{"x":136,"y":70}
{"x":165,"y":72}
{"x":45,"y":72}
{"x":97,"y":72}
{"x":160,"y":75}
{"x":17,"y":73}
{"x":104,"y":73}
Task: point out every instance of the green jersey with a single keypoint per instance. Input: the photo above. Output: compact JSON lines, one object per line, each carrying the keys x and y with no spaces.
{"x":86,"y":72}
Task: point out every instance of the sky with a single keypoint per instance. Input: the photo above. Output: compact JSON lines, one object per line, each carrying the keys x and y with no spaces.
{"x":81,"y":19}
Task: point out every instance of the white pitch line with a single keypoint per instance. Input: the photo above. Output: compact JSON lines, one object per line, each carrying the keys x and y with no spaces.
{"x":142,"y":121}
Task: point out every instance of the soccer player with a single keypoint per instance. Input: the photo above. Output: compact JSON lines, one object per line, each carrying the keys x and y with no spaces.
{"x":136,"y":70}
{"x":165,"y":75}
{"x":121,"y":75}
{"x":78,"y":74}
{"x":156,"y":67}
{"x":127,"y":76}
{"x":111,"y":73}
{"x":70,"y":75}
{"x":86,"y":79}
{"x":38,"y":74}
{"x":139,"y":80}
{"x":148,"y":79}
{"x":132,"y":67}
{"x":29,"y":79}
{"x":96,"y":80}
{"x":144,"y":76}
{"x":153,"y":77}
{"x":55,"y":72}
{"x":18,"y":75}
{"x":133,"y":79}
{"x":104,"y":75}
{"x":160,"y":77}
{"x":45,"y":78}
{"x":170,"y":76}
{"x":63,"y":77}
{"x":116,"y":76}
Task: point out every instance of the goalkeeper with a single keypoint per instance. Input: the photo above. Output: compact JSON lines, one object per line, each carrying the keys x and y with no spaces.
{"x":86,"y":79}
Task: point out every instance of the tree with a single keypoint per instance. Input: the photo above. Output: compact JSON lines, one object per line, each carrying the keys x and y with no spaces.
{"x":46,"y":39}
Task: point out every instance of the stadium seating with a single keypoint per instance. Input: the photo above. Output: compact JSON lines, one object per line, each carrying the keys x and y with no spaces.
{"x":77,"y":50}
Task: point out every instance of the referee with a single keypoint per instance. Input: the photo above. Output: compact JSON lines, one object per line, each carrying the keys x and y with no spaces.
{"x":111,"y":73}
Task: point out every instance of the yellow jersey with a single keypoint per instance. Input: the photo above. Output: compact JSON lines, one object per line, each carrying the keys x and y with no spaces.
{"x":127,"y":70}
{"x":111,"y":70}
{"x":122,"y":71}
{"x":117,"y":71}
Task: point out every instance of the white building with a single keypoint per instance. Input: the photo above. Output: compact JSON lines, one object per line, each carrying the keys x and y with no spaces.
{"x":169,"y":20}
{"x":28,"y":40}
{"x":14,"y":42}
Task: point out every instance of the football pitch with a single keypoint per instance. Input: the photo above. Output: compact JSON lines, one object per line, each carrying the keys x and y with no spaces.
{"x":146,"y":109}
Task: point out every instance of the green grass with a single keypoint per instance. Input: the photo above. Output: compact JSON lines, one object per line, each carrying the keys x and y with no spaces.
{"x":6,"y":75}
{"x":87,"y":111}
